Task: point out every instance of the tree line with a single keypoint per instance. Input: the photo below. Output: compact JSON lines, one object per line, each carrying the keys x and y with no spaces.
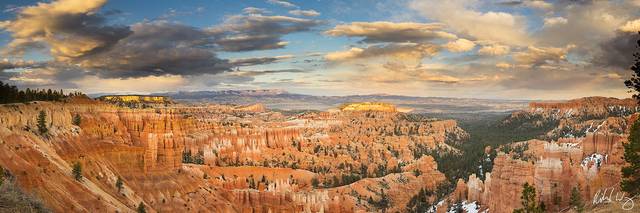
{"x":11,"y":94}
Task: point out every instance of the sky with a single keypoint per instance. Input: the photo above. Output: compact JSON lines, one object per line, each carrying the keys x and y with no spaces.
{"x":500,"y":49}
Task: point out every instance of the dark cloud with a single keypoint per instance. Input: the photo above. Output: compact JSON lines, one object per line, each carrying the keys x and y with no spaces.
{"x":251,"y":43}
{"x":155,"y":49}
{"x":618,"y":51}
{"x":258,"y":61}
{"x":258,"y":32}
{"x":509,"y":3}
{"x":267,"y":72}
{"x":79,"y":39}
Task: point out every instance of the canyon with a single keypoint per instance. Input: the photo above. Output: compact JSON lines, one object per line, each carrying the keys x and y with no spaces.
{"x":367,"y":157}
{"x":582,"y":150}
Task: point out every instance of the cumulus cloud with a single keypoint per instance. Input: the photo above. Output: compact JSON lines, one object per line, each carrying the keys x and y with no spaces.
{"x":258,"y":32}
{"x":537,"y":56}
{"x":392,"y":32}
{"x":631,"y":26}
{"x":495,"y":49}
{"x":554,"y":21}
{"x":70,"y":28}
{"x":500,"y":27}
{"x":597,"y":19}
{"x":309,"y":13}
{"x":460,"y":45}
{"x":281,"y":3}
{"x":405,"y":51}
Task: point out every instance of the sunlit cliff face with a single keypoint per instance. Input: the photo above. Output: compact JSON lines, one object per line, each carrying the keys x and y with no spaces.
{"x":369,"y":106}
{"x":136,"y":99}
{"x":489,"y":49}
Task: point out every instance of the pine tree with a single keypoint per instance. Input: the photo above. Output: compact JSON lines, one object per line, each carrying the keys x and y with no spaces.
{"x":1,"y":176}
{"x":77,"y":171}
{"x":141,"y":208}
{"x":76,"y":120}
{"x":417,"y":172}
{"x":42,"y":123}
{"x":119,"y":184}
{"x":634,"y":82}
{"x":528,"y":200}
{"x":631,"y":173}
{"x":576,"y":200}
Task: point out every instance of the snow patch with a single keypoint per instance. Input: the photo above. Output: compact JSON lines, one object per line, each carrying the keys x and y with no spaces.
{"x":596,"y":158}
{"x":472,"y":207}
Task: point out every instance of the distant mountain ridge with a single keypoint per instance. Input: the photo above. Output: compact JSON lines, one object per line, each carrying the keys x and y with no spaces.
{"x":281,"y":99}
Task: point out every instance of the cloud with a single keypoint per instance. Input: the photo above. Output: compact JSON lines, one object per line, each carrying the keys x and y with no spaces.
{"x":82,"y":44}
{"x":78,"y":37}
{"x":391,"y":32}
{"x":404,"y":51}
{"x":147,"y":84}
{"x":281,"y":3}
{"x":258,"y":32}
{"x":554,"y":21}
{"x":587,"y":24}
{"x":503,"y":65}
{"x":259,"y":60}
{"x":155,"y":49}
{"x":255,"y":10}
{"x":538,"y":56}
{"x":267,"y":72}
{"x":308,"y":13}
{"x":460,"y":45}
{"x":538,"y":4}
{"x":563,"y":79}
{"x":69,"y":28}
{"x":631,"y":26}
{"x":6,"y":64}
{"x":403,"y":74}
{"x":493,"y":26}
{"x":495,"y":50}
{"x":618,"y":51}
{"x":234,"y":80}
